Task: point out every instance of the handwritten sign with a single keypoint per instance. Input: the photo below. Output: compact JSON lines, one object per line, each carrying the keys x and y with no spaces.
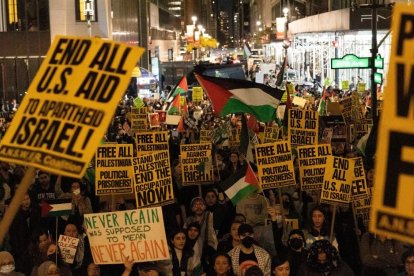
{"x":69,"y":105}
{"x":137,"y":234}
{"x":68,"y":247}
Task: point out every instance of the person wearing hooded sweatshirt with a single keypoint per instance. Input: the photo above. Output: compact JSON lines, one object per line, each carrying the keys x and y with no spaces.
{"x":323,"y":259}
{"x":7,"y":265}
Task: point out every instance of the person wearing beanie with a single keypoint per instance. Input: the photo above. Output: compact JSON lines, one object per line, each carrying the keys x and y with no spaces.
{"x":248,"y":254}
{"x":323,"y":259}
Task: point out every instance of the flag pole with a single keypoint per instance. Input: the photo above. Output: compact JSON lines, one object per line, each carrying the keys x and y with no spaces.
{"x":282,"y":211}
{"x":331,"y":235}
{"x":56,"y":253}
{"x":16,"y":202}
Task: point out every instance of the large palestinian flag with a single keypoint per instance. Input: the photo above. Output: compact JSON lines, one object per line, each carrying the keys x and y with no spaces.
{"x":241,"y":96}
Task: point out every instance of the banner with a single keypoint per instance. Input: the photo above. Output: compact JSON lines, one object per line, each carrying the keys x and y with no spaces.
{"x":337,"y":182}
{"x":196,"y":164}
{"x":392,"y":207}
{"x":148,"y":142}
{"x":139,"y":119}
{"x":198,"y":94}
{"x":359,"y":181}
{"x":152,"y":179}
{"x":275,"y":165}
{"x":68,"y":246}
{"x":303,"y":127}
{"x":312,"y":164}
{"x":69,"y":105}
{"x":272,"y":134}
{"x":137,"y":234}
{"x":113,"y":169}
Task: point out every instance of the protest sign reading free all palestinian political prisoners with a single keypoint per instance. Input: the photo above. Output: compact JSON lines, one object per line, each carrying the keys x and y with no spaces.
{"x":312,"y":163}
{"x":152,"y":178}
{"x":272,"y":134}
{"x":337,"y":182}
{"x":275,"y":165}
{"x":135,"y":234}
{"x":196,"y":163}
{"x":359,"y":181}
{"x":139,"y":119}
{"x":148,"y":142}
{"x":303,"y":127}
{"x":68,"y":247}
{"x":392,"y":206}
{"x":69,"y":105}
{"x":114,"y":169}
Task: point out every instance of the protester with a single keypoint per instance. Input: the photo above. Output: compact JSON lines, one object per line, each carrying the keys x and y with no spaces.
{"x":7,"y":265}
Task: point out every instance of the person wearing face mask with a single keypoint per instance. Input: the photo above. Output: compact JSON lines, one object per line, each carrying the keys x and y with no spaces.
{"x":7,"y":265}
{"x":248,"y":254}
{"x":81,"y":204}
{"x":323,"y":259}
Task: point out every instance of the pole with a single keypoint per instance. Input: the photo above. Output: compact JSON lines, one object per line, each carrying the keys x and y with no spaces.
{"x":374,"y":52}
{"x":15,"y":203}
{"x":331,"y":235}
{"x":336,"y":56}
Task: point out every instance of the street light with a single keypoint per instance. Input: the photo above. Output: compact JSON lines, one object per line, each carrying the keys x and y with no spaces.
{"x":88,"y":14}
{"x":286,"y":41}
{"x":194,"y":19}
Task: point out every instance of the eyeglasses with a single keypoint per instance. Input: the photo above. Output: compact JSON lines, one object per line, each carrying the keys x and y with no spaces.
{"x":246,"y":235}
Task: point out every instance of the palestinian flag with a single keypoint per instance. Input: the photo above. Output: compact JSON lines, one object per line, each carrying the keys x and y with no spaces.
{"x":322,"y":103}
{"x":240,"y":185}
{"x":56,"y":208}
{"x":175,"y":106}
{"x":181,"y":88}
{"x":241,"y":96}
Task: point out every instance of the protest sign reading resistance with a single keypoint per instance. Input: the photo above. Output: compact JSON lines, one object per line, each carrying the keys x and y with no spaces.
{"x":392,"y":207}
{"x":68,"y":247}
{"x":312,"y":164}
{"x":113,"y":169}
{"x":196,"y":164}
{"x":275,"y":165}
{"x":152,"y":178}
{"x":135,"y":234}
{"x":359,"y":181}
{"x":148,"y":142}
{"x":303,"y":127}
{"x":337,"y":182}
{"x":69,"y":105}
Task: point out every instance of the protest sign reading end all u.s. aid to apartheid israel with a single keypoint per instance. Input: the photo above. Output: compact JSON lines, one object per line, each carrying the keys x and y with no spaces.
{"x":337,"y":181}
{"x":393,"y":199}
{"x":275,"y":165}
{"x":303,"y":127}
{"x":153,"y":179}
{"x":69,"y":104}
{"x":147,"y":142}
{"x":135,"y":234}
{"x":114,"y":169}
{"x":312,"y":164}
{"x":196,"y":164}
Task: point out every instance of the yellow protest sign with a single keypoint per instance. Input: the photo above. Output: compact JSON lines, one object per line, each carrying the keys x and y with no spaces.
{"x":69,"y":105}
{"x":345,"y":85}
{"x":113,"y":169}
{"x":196,"y":164}
{"x":206,"y":136}
{"x":337,"y":181}
{"x":303,"y":127}
{"x":392,"y":207}
{"x":152,"y":179}
{"x":359,"y":181}
{"x":292,"y":223}
{"x":272,"y":134}
{"x":139,"y":119}
{"x":148,"y":142}
{"x":275,"y":165}
{"x":234,"y":137}
{"x":361,"y":87}
{"x":312,"y":163}
{"x":198,"y":94}
{"x":290,"y":88}
{"x":362,"y":127}
{"x":135,"y":234}
{"x":347,"y":110}
{"x":362,"y":209}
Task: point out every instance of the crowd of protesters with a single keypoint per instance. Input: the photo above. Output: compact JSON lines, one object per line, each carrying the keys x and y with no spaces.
{"x":207,"y":234}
